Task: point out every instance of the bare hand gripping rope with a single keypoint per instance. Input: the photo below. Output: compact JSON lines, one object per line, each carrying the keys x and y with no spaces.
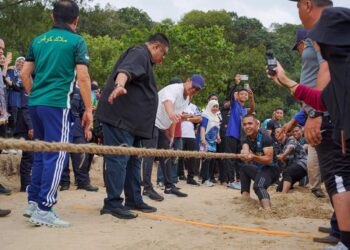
{"x":41,"y":146}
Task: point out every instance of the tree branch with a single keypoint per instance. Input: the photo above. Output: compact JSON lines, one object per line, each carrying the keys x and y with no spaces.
{"x":6,"y":5}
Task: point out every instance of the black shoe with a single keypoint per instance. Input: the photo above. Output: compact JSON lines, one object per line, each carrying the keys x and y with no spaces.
{"x":318,"y":193}
{"x":4,"y":190}
{"x":326,"y":230}
{"x":152,"y":194}
{"x":182,"y":178}
{"x":191,"y":181}
{"x":89,"y":188}
{"x":143,"y":207}
{"x":174,"y":191}
{"x":4,"y":212}
{"x":120,"y":213}
{"x":328,"y":240}
{"x":64,"y":187}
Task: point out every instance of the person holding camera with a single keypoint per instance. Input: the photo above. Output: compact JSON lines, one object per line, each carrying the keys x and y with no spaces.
{"x":238,"y":98}
{"x":331,"y":34}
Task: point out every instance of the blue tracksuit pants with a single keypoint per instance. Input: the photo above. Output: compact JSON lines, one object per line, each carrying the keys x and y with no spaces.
{"x":52,"y":125}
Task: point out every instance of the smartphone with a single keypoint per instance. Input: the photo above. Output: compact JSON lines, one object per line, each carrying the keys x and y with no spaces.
{"x":244,"y":77}
{"x":246,"y":86}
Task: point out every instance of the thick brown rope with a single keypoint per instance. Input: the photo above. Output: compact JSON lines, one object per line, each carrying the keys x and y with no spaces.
{"x":41,"y":146}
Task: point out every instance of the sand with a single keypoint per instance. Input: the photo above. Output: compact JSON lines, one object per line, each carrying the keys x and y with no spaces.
{"x":206,"y":219}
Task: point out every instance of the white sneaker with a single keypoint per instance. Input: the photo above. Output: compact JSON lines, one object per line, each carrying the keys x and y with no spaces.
{"x":234,"y":185}
{"x":208,"y":183}
{"x":339,"y":246}
{"x":32,"y":206}
{"x":161,"y":186}
{"x":47,"y":218}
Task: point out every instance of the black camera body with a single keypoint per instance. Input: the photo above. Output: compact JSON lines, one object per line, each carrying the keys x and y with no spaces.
{"x":271,"y":62}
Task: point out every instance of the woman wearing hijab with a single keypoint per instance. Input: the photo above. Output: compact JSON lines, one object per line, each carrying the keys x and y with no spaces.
{"x":209,"y":137}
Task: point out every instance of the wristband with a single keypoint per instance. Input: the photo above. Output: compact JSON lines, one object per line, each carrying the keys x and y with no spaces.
{"x":119,"y":85}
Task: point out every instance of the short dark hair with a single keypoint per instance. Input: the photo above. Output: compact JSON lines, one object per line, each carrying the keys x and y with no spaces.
{"x":160,"y":38}
{"x":297,"y":126}
{"x":250,"y":115}
{"x":323,"y":3}
{"x":211,"y":95}
{"x":175,"y":79}
{"x":65,"y":11}
{"x":242,"y":89}
{"x":279,"y":108}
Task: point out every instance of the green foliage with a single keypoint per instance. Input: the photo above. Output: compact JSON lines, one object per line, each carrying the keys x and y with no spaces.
{"x":198,"y":50}
{"x":107,"y":21}
{"x":216,"y":44}
{"x":103,"y":51}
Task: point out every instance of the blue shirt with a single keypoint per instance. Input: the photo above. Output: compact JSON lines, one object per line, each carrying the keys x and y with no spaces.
{"x":16,"y":90}
{"x":300,"y":117}
{"x":235,"y":123}
{"x":210,"y":136}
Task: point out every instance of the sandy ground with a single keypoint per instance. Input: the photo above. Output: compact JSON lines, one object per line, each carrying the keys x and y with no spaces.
{"x":195,"y":222}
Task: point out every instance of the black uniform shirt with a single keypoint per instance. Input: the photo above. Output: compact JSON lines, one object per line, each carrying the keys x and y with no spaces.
{"x":135,"y":111}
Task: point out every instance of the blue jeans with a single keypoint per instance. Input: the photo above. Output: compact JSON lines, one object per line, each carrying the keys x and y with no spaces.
{"x":122,"y":172}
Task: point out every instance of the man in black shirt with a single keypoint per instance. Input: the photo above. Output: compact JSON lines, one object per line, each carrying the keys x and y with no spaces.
{"x":275,"y":122}
{"x":257,"y":153}
{"x":127,"y":110}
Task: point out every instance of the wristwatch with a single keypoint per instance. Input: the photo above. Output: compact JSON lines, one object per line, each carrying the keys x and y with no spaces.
{"x":314,"y":114}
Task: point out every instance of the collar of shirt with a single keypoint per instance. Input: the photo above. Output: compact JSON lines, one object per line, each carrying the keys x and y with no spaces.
{"x":62,"y":26}
{"x":149,"y":53}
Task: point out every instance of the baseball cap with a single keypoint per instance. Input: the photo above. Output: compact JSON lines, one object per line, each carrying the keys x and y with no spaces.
{"x":198,"y":81}
{"x":300,"y":36}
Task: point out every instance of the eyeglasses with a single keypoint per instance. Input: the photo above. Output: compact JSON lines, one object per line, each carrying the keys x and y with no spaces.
{"x":164,"y":50}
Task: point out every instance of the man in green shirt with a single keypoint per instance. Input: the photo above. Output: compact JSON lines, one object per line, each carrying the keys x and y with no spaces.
{"x":56,"y":58}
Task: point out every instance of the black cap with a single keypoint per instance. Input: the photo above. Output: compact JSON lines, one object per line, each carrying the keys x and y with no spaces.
{"x":333,"y":27}
{"x":300,"y":36}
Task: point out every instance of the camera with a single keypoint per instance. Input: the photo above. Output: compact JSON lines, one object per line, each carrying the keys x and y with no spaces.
{"x":271,"y":62}
{"x":244,"y":77}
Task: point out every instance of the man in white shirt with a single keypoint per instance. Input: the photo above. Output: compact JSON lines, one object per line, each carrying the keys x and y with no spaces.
{"x":172,"y":101}
{"x":192,"y":115}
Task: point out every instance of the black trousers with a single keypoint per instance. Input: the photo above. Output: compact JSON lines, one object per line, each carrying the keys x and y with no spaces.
{"x":223,"y":175}
{"x":326,"y":153}
{"x":25,"y":167}
{"x":188,"y":144}
{"x":334,"y":166}
{"x":293,"y":173}
{"x":263,"y":178}
{"x":160,"y":141}
{"x":12,"y":119}
{"x":207,"y":170}
{"x":81,"y":163}
{"x":232,"y":166}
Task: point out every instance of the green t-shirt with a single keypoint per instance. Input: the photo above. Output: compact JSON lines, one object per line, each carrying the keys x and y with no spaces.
{"x":55,"y":54}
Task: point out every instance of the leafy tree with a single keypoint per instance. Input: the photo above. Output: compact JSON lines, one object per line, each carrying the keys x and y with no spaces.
{"x":104,"y":52}
{"x":99,"y":21}
{"x":201,"y":19}
{"x":249,"y":32}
